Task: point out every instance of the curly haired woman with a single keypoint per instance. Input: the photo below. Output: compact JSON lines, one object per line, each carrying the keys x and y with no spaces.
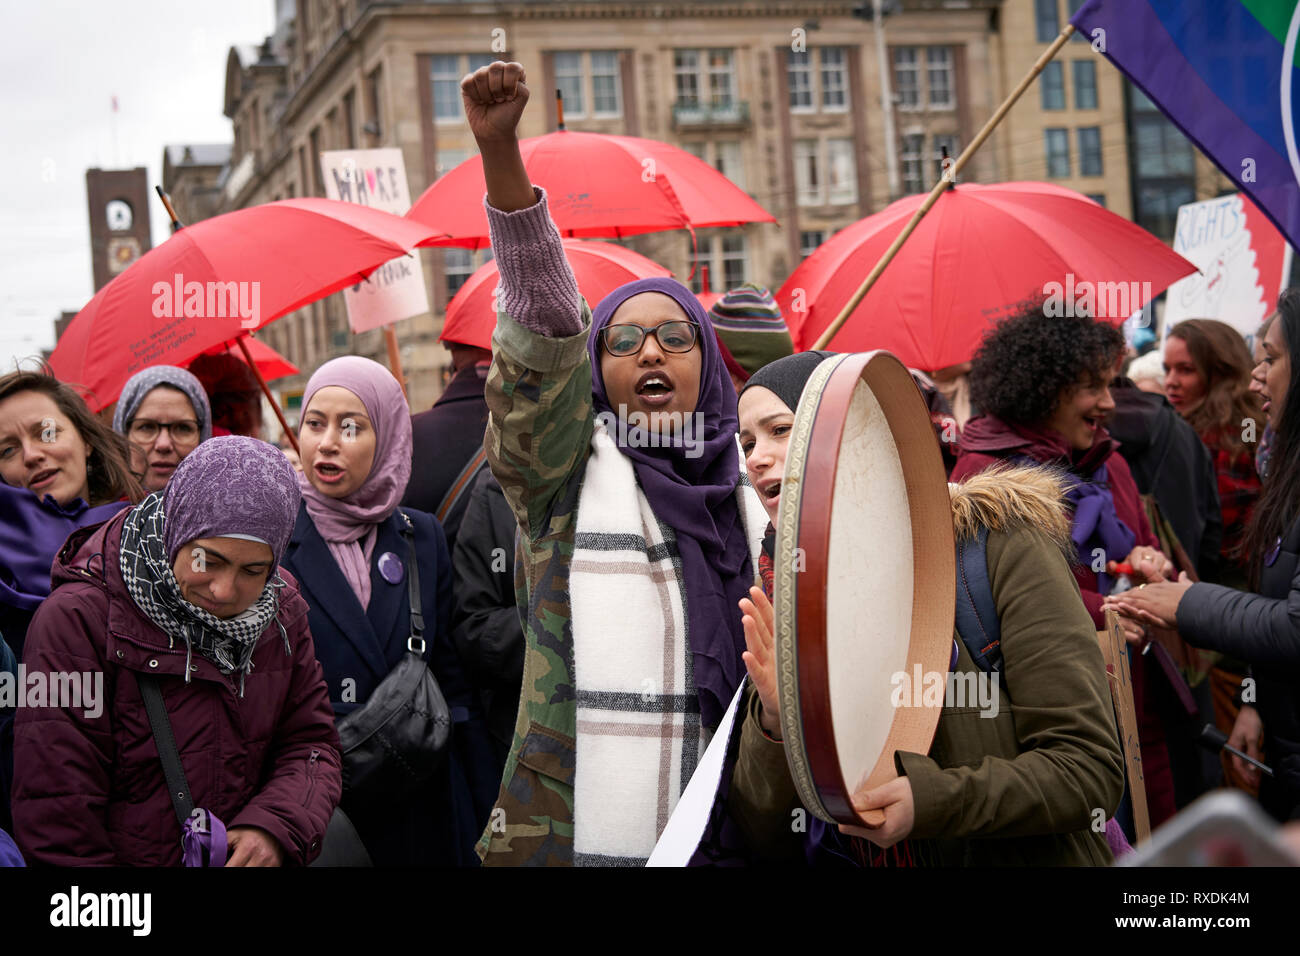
{"x":1043,"y":385}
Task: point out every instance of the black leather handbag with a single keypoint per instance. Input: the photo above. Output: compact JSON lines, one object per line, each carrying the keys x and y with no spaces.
{"x":398,"y":738}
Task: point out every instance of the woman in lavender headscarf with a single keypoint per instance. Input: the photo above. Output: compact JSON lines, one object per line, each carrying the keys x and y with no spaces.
{"x":350,"y":553}
{"x":180,"y":592}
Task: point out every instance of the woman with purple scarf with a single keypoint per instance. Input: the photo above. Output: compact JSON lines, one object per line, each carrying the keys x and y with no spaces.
{"x":613,"y":438}
{"x":179,"y":595}
{"x":351,"y":550}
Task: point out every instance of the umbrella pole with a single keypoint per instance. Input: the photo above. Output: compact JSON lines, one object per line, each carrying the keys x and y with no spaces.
{"x":949,"y":176}
{"x":266,"y":390}
{"x":395,"y":357}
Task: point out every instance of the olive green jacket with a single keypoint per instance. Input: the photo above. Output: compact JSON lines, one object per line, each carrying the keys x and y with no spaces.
{"x":1033,"y":785}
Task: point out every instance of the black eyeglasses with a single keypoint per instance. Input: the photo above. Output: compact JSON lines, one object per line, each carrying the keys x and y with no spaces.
{"x":144,"y":430}
{"x":675,"y":336}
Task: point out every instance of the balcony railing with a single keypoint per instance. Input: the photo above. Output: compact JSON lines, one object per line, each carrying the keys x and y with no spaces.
{"x":695,"y":115}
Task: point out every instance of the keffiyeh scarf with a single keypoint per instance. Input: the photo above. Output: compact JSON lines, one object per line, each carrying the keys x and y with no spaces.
{"x":228,"y":643}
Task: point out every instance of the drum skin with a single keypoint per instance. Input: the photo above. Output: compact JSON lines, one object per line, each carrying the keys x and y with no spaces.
{"x":865,"y":581}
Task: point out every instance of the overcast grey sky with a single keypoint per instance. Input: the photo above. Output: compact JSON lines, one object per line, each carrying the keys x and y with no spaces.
{"x":61,"y":62}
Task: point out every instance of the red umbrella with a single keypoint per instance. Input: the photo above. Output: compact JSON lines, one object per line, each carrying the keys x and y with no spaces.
{"x":980,"y":253}
{"x":597,"y":186}
{"x":222,"y":278}
{"x":269,"y":363}
{"x":600,"y":267}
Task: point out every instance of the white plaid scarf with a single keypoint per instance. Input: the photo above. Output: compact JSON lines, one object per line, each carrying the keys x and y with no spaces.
{"x":639,"y":733}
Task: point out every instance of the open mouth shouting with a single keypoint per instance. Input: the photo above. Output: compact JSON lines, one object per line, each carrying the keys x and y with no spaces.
{"x":769,"y":490}
{"x":328,"y":472}
{"x":655,"y":389}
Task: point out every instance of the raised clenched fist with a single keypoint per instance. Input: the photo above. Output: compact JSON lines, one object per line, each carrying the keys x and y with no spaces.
{"x":494,"y":97}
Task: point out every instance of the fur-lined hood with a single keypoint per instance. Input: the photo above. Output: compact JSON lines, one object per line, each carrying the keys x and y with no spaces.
{"x":1006,"y":497}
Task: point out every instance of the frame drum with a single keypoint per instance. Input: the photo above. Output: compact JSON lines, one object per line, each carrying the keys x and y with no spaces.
{"x":865,"y":581}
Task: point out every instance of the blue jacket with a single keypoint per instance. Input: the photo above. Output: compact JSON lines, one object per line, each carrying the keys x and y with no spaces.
{"x":358,"y":647}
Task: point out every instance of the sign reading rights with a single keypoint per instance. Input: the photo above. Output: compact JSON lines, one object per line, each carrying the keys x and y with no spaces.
{"x":377,"y":178}
{"x":1244,"y":262}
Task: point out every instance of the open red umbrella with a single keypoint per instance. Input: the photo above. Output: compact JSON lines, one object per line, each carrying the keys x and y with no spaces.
{"x":600,"y":268}
{"x":980,"y":253}
{"x":221,"y":278}
{"x":597,"y":186}
{"x":269,"y":363}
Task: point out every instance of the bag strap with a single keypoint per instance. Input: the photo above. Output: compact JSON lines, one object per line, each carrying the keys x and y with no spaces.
{"x":976,"y":611}
{"x":463,"y":482}
{"x":178,"y":787}
{"x":407,"y":531}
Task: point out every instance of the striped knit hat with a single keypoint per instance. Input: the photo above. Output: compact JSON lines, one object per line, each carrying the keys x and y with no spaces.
{"x":749,"y":323}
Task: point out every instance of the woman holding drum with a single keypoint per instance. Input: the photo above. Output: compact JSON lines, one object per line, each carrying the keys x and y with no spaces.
{"x":1029,"y":780}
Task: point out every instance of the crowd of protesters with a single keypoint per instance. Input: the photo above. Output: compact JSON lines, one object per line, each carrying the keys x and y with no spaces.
{"x":421,"y":639}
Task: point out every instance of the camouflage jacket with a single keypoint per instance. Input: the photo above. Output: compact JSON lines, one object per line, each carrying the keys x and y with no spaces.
{"x":538,"y":439}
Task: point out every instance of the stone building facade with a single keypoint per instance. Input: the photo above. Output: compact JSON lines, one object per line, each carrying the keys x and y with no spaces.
{"x":784,"y":97}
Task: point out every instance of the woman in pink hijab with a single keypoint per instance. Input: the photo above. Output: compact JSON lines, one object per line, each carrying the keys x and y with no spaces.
{"x":351,"y":551}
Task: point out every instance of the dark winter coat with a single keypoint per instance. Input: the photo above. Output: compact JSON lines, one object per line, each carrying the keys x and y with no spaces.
{"x":91,"y":791}
{"x":489,"y":634}
{"x":443,"y":440}
{"x":1171,"y":463}
{"x":357,"y":648}
{"x":1264,"y":630}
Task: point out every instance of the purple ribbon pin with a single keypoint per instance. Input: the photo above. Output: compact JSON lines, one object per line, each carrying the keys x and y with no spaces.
{"x":391,"y":568}
{"x":1272,"y":555}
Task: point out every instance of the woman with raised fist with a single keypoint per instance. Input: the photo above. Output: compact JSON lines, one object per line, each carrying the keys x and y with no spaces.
{"x":613,"y":438}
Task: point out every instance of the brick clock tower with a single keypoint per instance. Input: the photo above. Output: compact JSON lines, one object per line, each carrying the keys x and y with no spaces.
{"x":119,"y":220}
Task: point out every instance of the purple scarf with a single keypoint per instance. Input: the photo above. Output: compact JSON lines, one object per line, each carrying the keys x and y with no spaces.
{"x":695,"y":496}
{"x":347,"y":523}
{"x":1096,"y":525}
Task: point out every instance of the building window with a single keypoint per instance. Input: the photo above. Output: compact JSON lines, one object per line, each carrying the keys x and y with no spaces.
{"x":724,"y":156}
{"x":835,"y":80}
{"x":704,"y":77}
{"x":1052,"y":85}
{"x":589,"y":78}
{"x":1047,"y":20}
{"x":457,"y":267}
{"x":807,"y":173}
{"x":938,"y":93}
{"x":938,"y":61}
{"x":941,"y":143}
{"x":799,"y":79}
{"x":728,"y":161}
{"x":1079,"y":36}
{"x":825,"y":172}
{"x":912,"y":168}
{"x":606,"y":84}
{"x":907,"y":79}
{"x":810,"y":241}
{"x":373,"y":84}
{"x":568,"y":80}
{"x":1089,"y":150}
{"x":449,"y":159}
{"x":1085,"y":85}
{"x":1098,"y":198}
{"x":445,"y":74}
{"x":1057,"y":143}
{"x":1165,"y":173}
{"x":841,"y":176}
{"x":727,"y":257}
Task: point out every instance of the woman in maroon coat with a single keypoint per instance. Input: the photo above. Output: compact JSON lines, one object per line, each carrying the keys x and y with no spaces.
{"x":1042,"y":384}
{"x":182,"y":588}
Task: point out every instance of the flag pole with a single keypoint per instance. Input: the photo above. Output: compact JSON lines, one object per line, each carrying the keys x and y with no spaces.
{"x":942,"y":186}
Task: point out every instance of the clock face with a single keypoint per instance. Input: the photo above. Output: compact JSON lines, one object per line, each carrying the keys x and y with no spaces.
{"x":122,"y":252}
{"x":118,"y":213}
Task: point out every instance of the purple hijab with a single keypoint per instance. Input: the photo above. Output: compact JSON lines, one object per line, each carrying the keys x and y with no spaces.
{"x":692,"y":490}
{"x":346,"y":523}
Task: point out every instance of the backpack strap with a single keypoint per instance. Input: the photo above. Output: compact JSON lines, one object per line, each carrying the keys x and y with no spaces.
{"x":178,"y":788}
{"x":976,"y":611}
{"x":460,"y":487}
